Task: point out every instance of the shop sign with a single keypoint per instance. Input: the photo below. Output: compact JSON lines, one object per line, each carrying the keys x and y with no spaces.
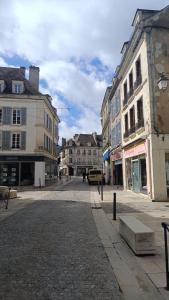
{"x":135,"y":151}
{"x":116,"y":156}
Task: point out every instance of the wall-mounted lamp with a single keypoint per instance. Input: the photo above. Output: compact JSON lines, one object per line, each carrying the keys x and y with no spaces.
{"x":162,"y":82}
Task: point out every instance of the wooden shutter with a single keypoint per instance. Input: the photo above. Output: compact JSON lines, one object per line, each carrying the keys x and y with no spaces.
{"x":7,"y":115}
{"x":23,"y":116}
{"x":23,"y":140}
{"x":6,"y":140}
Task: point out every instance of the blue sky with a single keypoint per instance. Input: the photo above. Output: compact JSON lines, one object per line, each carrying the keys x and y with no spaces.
{"x":77,"y":48}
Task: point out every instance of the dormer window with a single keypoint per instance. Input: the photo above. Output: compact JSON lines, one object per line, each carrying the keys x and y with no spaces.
{"x":17,"y":87}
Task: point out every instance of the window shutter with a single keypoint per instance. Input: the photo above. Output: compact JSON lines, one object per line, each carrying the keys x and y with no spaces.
{"x":6,"y":140}
{"x":7,"y":115}
{"x":23,"y":140}
{"x":23,"y":116}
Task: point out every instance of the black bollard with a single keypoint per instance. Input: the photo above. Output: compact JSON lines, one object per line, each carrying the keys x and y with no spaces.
{"x":166,"y":228}
{"x":114,"y":206}
{"x":102,"y":189}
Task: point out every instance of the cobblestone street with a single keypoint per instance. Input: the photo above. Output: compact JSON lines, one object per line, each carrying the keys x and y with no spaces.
{"x":50,"y":249}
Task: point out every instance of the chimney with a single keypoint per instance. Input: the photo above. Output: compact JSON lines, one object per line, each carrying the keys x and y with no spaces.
{"x":34,"y":77}
{"x":22,"y":69}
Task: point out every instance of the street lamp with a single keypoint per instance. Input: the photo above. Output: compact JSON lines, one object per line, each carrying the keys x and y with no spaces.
{"x":162,"y":82}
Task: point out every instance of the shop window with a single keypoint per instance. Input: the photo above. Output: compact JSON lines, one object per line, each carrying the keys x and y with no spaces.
{"x":138,"y":73}
{"x":16,"y":116}
{"x":140,"y":116}
{"x":131,"y":84}
{"x":16,"y":140}
{"x":125,"y":93}
{"x":126,"y":125}
{"x":132,"y":120}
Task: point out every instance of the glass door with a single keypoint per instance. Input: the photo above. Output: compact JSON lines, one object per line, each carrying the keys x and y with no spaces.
{"x":136,"y":175}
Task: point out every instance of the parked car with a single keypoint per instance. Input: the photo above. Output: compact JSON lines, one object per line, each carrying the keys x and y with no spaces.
{"x":95,"y":176}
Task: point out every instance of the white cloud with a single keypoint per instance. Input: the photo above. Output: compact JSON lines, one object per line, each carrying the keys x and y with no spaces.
{"x":63,"y":37}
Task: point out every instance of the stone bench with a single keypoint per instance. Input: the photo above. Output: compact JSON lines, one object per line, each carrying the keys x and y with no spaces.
{"x":138,"y":236}
{"x":4,"y":193}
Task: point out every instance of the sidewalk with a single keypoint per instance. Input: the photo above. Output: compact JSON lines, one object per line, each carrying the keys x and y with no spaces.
{"x":139,"y":277}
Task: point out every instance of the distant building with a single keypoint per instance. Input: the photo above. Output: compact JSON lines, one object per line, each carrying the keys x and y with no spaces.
{"x":81,"y":153}
{"x":28,"y":129}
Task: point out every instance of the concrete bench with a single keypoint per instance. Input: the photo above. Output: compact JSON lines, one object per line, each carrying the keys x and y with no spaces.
{"x":138,"y":236}
{"x":4,"y":193}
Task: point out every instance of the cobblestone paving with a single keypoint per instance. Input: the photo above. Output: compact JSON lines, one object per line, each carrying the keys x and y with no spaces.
{"x":50,"y":250}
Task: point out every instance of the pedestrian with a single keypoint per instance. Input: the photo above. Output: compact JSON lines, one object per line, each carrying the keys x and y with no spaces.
{"x":84,"y":176}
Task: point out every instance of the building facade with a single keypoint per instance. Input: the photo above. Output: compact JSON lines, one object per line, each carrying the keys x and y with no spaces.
{"x":28,"y":130}
{"x":145,"y":106}
{"x":106,"y":134}
{"x":116,"y":138}
{"x":81,"y":153}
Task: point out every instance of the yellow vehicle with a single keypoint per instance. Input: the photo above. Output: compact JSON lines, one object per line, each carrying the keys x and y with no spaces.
{"x":95,"y":176}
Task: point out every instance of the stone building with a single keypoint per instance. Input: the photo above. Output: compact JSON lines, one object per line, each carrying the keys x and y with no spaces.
{"x":106,"y":134}
{"x":144,"y":94}
{"x":81,"y":153}
{"x":28,"y":129}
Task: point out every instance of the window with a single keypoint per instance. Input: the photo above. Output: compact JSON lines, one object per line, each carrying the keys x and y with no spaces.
{"x":16,"y":116}
{"x":70,"y":151}
{"x":78,"y":151}
{"x":138,"y":72}
{"x":94,"y":152}
{"x":131,"y":83}
{"x":84,"y":152}
{"x":125,"y":92}
{"x":16,"y":139}
{"x":17,"y":88}
{"x":132,"y":120}
{"x":126,"y":125}
{"x":89,"y":152}
{"x":0,"y":115}
{"x":140,"y":116}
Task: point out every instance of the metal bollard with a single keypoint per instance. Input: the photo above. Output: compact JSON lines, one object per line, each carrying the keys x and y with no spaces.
{"x":166,"y":228}
{"x":102,"y":190}
{"x":114,"y":206}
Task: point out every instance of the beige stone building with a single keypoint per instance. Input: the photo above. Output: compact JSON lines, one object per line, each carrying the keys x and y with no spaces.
{"x":81,"y":153}
{"x":144,"y":94}
{"x":28,"y":129}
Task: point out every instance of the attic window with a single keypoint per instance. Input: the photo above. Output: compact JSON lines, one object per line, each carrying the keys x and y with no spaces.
{"x":17,"y":87}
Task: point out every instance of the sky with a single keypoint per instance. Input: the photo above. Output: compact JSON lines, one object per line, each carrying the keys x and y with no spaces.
{"x":76,"y":44}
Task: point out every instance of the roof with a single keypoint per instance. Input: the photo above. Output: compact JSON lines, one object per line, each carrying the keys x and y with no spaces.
{"x":145,"y":13}
{"x":83,"y":140}
{"x":9,"y":74}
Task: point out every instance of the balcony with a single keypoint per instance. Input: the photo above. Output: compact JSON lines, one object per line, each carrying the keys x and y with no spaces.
{"x":140,"y":124}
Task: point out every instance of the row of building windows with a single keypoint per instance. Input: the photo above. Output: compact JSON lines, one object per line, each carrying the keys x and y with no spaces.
{"x":12,"y":116}
{"x":12,"y":140}
{"x":133,"y":126}
{"x":130,"y":85}
{"x":84,"y":152}
{"x":17,"y":87}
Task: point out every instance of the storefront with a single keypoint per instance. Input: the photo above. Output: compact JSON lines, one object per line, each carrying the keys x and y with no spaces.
{"x":136,"y":168}
{"x":26,"y":170}
{"x":117,"y":170}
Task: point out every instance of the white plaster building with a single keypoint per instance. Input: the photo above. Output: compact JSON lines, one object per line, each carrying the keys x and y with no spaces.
{"x":28,"y":129}
{"x":81,"y":153}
